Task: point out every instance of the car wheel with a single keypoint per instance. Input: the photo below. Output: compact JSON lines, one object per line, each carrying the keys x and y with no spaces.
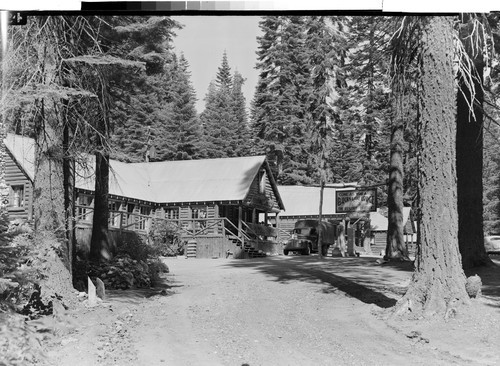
{"x":324,"y":250}
{"x":285,"y":252}
{"x":306,"y":251}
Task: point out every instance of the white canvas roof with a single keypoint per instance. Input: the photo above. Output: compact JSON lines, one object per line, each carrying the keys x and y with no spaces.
{"x":207,"y":180}
{"x":379,"y":222}
{"x":304,"y":201}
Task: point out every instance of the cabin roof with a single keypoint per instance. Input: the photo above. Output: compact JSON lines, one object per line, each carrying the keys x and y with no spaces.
{"x":379,"y":222}
{"x":23,"y":150}
{"x":207,"y":180}
{"x":304,"y":201}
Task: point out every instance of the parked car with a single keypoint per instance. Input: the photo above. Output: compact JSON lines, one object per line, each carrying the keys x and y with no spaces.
{"x":305,"y":237}
{"x":492,"y":244}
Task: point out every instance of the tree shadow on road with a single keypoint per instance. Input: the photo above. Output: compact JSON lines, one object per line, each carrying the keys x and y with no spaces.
{"x":134,"y":296}
{"x":361,"y":278}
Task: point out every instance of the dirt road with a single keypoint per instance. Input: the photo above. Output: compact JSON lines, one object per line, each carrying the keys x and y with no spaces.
{"x":291,"y":310}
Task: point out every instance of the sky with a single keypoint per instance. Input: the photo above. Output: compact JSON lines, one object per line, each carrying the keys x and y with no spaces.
{"x":203,"y":41}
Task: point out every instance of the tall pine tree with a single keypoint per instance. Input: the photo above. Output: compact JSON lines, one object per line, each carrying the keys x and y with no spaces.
{"x":224,"y":119}
{"x":144,"y":108}
{"x":280,"y":101}
{"x":178,"y":134}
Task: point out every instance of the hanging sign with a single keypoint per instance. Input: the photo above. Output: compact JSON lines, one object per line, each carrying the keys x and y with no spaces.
{"x":358,"y":200}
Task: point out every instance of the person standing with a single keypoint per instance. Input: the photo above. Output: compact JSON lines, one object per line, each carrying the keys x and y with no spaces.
{"x":341,"y":239}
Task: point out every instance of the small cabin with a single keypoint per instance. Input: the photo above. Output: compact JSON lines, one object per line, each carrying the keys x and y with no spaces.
{"x":302,"y":202}
{"x":215,"y":203}
{"x":19,"y":176}
{"x":380,"y":222}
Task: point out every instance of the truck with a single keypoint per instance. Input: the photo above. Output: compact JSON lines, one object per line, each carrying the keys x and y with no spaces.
{"x":304,"y":237}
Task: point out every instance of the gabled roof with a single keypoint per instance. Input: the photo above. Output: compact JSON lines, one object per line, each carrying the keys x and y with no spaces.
{"x":23,"y":151}
{"x":379,"y":222}
{"x":304,"y":201}
{"x":207,"y":180}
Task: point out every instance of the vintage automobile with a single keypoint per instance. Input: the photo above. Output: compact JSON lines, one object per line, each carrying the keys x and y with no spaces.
{"x":304,"y":238}
{"x":492,"y":244}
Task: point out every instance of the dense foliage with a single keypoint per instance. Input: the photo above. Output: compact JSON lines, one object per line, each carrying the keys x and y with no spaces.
{"x":324,"y":82}
{"x":224,"y":119}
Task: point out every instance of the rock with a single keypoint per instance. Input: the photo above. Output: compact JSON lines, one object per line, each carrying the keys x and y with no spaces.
{"x":7,"y":284}
{"x":101,"y":291}
{"x":414,"y":334}
{"x":92,"y":300}
{"x":66,"y":341}
{"x":473,"y":286}
{"x":57,"y":307}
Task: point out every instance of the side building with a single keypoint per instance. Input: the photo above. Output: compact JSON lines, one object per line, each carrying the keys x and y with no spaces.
{"x":346,"y":204}
{"x":215,"y":203}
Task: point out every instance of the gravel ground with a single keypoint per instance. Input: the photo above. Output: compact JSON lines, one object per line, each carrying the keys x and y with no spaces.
{"x":293,"y":310}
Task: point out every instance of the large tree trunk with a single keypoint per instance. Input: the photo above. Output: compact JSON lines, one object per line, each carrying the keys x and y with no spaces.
{"x":438,"y":283}
{"x":48,"y":189}
{"x":99,"y":246}
{"x":69,"y":197}
{"x":470,"y":157}
{"x":395,"y":247}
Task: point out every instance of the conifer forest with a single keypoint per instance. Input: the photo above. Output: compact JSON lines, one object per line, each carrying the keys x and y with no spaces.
{"x":406,"y":104}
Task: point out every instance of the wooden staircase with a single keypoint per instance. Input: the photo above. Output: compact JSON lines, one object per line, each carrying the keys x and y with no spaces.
{"x":191,"y":249}
{"x":247,"y":248}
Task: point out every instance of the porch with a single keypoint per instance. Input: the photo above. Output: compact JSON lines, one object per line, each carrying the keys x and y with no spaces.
{"x":215,"y":237}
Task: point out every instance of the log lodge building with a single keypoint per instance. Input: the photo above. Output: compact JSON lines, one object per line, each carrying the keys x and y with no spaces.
{"x":221,"y":204}
{"x":215,"y":202}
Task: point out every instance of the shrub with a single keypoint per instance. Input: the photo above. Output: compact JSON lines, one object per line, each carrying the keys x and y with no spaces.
{"x":18,"y":277}
{"x":19,"y":343}
{"x":136,"y":249}
{"x":156,"y":268}
{"x":122,"y":272}
{"x":165,"y":238}
{"x":135,"y":265}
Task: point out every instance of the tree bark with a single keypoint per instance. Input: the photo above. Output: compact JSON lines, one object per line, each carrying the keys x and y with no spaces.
{"x":69,"y":197}
{"x":320,"y":219}
{"x":438,"y":283}
{"x":48,"y":189}
{"x":395,"y":247}
{"x":470,"y":156}
{"x":99,"y":246}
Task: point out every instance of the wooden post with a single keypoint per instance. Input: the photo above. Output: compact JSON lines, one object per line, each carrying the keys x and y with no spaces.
{"x":320,"y":219}
{"x":240,"y":215}
{"x":277,"y":226}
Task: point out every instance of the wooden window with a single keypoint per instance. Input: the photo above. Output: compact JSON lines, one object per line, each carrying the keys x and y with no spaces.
{"x":17,"y":196}
{"x":194,"y":212}
{"x":130,"y":218}
{"x":199,"y":212}
{"x":143,"y":220}
{"x":172,"y":213}
{"x":84,"y":204}
{"x":114,"y":214}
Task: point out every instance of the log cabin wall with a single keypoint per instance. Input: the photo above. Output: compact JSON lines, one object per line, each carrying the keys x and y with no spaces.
{"x":261,"y":194}
{"x":285,"y":227}
{"x":21,"y":190}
